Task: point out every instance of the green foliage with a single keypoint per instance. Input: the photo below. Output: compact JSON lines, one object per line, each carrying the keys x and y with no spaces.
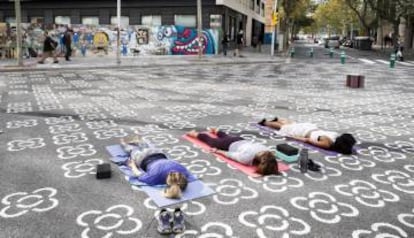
{"x":334,"y":14}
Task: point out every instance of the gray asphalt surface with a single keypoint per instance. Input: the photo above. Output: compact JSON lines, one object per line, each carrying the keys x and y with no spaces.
{"x":57,"y":123}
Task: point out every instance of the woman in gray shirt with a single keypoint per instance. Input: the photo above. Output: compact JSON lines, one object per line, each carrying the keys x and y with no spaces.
{"x":240,"y":150}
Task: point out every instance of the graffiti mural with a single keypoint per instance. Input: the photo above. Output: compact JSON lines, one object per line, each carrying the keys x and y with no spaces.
{"x":184,"y":41}
{"x":93,"y":39}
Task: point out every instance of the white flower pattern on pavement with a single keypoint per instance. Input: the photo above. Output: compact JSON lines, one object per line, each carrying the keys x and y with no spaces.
{"x":376,"y":232}
{"x":352,"y":162}
{"x":31,"y":143}
{"x":382,"y":154}
{"x":114,"y":221}
{"x":278,"y":184}
{"x":231,"y":191}
{"x":81,"y":168}
{"x":366,"y":193}
{"x":17,"y":204}
{"x":70,"y":152}
{"x":324,"y":207}
{"x":19,"y":124}
{"x":272,"y":220}
{"x":399,"y":180}
{"x":407,"y":219}
{"x":211,"y":229}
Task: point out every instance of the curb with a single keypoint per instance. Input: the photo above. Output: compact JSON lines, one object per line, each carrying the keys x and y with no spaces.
{"x":112,"y":66}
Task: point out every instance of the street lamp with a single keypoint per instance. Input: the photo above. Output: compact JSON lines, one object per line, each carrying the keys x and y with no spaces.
{"x":118,"y":14}
{"x":18,"y":9}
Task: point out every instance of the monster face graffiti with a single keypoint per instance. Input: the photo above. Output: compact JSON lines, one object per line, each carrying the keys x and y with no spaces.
{"x":184,"y":40}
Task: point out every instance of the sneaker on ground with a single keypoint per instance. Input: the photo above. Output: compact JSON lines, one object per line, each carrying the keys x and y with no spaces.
{"x":164,"y":222}
{"x":178,"y":221}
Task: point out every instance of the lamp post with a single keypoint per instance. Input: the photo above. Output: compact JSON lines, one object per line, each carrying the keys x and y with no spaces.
{"x":272,"y":48}
{"x":17,"y":9}
{"x":118,"y":14}
{"x":199,"y":27}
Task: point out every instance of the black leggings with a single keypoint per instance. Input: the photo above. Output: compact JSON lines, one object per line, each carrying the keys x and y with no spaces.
{"x":222,"y":142}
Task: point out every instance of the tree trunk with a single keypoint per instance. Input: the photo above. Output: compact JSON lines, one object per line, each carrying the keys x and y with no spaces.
{"x":395,"y":36}
{"x":408,"y":41}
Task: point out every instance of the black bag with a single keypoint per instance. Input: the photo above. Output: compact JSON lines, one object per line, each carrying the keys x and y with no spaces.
{"x":32,"y":52}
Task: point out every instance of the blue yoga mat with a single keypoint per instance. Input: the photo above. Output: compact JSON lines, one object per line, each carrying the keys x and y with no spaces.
{"x":195,"y":189}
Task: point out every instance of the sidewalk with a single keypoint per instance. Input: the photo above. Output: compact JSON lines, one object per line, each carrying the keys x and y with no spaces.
{"x":249,"y":55}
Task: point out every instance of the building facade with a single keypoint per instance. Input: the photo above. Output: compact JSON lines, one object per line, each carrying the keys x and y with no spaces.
{"x":228,"y":15}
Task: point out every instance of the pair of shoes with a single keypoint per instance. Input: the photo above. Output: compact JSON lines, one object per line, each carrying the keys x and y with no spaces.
{"x":68,"y":60}
{"x":40,"y":62}
{"x":169,"y":223}
{"x":313,"y":166}
{"x":56,"y":61}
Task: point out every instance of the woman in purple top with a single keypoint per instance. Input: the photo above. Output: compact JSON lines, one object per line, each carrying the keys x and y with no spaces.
{"x":153,"y":167}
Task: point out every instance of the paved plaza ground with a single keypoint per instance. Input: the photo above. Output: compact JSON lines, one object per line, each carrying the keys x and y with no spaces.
{"x":57,"y":122}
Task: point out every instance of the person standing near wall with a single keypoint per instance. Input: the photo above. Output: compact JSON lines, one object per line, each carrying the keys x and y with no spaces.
{"x":225,"y":43}
{"x":67,"y":41}
{"x":49,"y":46}
{"x":240,"y":43}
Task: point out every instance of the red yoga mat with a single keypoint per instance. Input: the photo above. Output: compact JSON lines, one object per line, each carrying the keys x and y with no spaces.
{"x":247,"y":169}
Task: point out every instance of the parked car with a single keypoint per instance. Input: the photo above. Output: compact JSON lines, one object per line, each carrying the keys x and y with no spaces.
{"x":332,"y":42}
{"x":348,"y":43}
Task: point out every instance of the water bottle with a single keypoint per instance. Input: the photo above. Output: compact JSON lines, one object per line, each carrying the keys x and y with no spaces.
{"x":303,"y":160}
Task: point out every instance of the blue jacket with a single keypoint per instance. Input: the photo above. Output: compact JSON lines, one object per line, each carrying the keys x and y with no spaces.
{"x":158,"y":171}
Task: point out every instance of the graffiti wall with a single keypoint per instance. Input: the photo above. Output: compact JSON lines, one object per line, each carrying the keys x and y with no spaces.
{"x":90,"y":40}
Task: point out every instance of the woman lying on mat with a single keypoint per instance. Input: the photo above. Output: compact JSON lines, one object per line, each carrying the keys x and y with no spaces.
{"x":309,"y":133}
{"x":240,"y":150}
{"x":157,"y":168}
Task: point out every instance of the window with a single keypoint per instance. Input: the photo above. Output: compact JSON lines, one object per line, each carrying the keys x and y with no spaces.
{"x":151,"y":20}
{"x":11,"y":20}
{"x":62,"y":20}
{"x":185,"y":20}
{"x":124,"y":21}
{"x":90,"y":20}
{"x":36,"y":20}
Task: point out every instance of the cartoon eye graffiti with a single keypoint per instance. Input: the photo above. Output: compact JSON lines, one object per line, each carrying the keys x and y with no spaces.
{"x":168,"y":32}
{"x":160,"y":36}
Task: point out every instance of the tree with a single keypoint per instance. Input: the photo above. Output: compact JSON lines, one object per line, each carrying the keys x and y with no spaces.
{"x":334,"y":15}
{"x":393,"y":11}
{"x":365,"y":13}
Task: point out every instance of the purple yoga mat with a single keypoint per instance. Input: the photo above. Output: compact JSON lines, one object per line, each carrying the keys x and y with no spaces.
{"x":306,"y":145}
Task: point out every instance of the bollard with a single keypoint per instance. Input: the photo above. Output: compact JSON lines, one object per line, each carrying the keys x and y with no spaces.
{"x":292,"y":52}
{"x":311,"y":53}
{"x":392,"y":61}
{"x":343,"y":56}
{"x":331,"y":52}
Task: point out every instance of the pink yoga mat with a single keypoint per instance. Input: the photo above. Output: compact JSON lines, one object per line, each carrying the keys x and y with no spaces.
{"x":247,"y":169}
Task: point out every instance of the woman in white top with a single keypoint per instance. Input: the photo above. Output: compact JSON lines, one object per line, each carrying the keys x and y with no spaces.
{"x":240,"y":150}
{"x":309,"y":133}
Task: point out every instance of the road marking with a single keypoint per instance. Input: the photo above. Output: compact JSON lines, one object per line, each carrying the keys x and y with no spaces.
{"x":366,"y":61}
{"x":404,"y":63}
{"x":383,"y":61}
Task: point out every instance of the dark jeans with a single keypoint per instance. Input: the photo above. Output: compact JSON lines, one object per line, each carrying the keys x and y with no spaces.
{"x":225,"y":47}
{"x":151,"y":158}
{"x":222,"y":142}
{"x":68,"y":52}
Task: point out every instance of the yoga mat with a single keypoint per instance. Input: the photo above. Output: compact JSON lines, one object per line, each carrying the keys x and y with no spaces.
{"x":247,"y":169}
{"x":306,"y":145}
{"x":195,"y":189}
